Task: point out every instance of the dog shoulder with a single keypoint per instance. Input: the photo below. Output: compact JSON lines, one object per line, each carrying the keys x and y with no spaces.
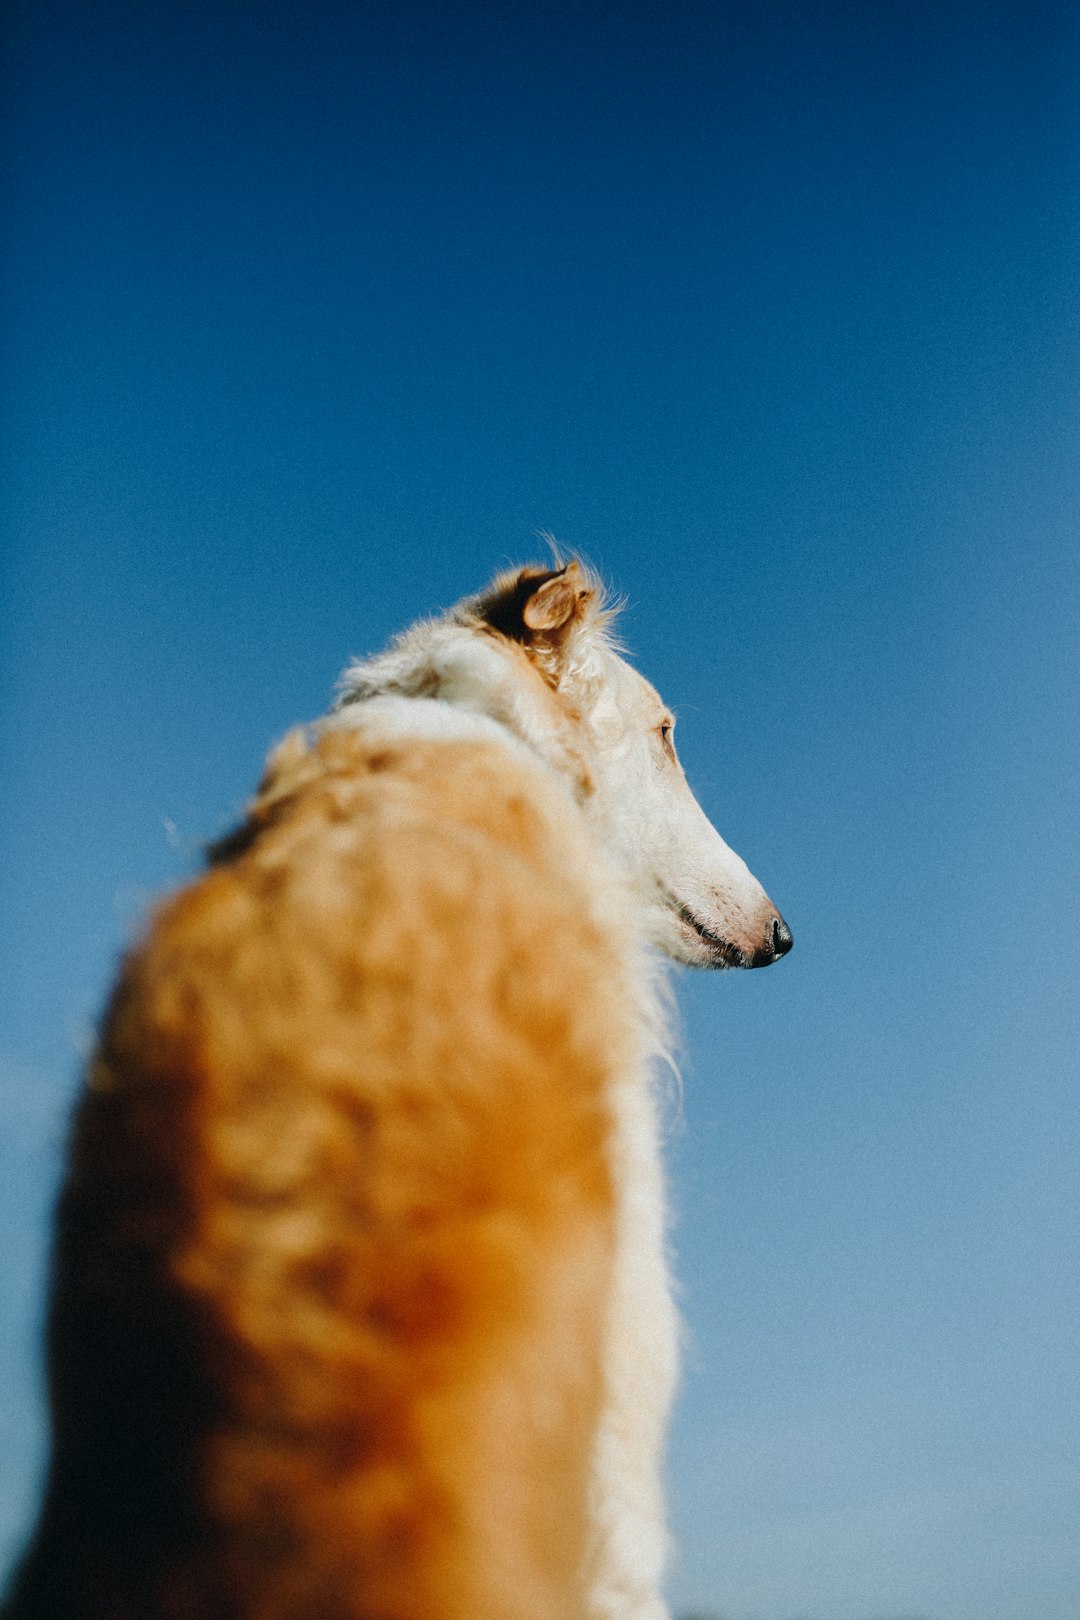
{"x":348,"y":1134}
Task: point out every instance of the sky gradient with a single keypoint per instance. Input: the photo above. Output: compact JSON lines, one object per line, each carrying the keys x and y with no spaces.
{"x":314,"y":316}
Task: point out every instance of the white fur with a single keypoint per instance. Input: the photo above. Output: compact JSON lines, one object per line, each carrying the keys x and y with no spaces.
{"x":657,"y":856}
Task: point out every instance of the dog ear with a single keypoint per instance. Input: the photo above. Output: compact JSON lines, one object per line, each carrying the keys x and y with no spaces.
{"x":537,"y":606}
{"x":555,"y":602}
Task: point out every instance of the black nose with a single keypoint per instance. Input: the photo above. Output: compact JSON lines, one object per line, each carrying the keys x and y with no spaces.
{"x":777,"y":944}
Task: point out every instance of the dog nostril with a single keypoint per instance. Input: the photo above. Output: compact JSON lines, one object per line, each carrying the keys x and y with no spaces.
{"x":778,"y":942}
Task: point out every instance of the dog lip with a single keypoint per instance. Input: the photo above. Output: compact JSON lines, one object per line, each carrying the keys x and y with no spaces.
{"x":728,"y":955}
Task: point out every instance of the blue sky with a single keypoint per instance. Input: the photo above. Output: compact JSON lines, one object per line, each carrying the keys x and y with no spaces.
{"x":315,"y":314}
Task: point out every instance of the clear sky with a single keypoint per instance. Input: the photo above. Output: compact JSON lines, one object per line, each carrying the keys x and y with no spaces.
{"x":315,"y":313}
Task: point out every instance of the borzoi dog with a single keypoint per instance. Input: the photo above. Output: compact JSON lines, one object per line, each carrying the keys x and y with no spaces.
{"x":360,"y":1306}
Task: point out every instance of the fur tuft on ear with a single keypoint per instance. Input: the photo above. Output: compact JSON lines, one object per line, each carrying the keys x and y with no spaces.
{"x":556,"y":601}
{"x":538,"y":605}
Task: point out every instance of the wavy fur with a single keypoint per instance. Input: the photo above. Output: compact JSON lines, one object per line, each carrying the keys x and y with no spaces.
{"x":360,"y":1306}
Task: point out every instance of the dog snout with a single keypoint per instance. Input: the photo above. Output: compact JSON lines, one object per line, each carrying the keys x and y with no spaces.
{"x":778,"y":942}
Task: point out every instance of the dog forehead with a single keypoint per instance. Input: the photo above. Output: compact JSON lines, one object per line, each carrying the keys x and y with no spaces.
{"x":625,"y":695}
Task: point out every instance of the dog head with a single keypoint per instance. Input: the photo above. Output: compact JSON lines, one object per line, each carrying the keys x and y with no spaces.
{"x":535,"y":652}
{"x":702,"y":904}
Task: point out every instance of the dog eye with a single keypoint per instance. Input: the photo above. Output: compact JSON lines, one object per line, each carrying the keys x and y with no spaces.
{"x":664,"y":731}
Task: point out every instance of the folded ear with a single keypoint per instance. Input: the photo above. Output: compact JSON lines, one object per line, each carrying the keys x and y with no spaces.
{"x":537,"y":606}
{"x":554,"y":603}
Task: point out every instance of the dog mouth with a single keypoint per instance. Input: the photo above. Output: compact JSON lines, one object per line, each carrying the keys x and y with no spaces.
{"x":721,"y":952}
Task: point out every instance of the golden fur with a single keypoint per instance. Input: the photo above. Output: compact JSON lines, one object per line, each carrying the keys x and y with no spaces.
{"x":368,"y":1276}
{"x":360,"y":1308}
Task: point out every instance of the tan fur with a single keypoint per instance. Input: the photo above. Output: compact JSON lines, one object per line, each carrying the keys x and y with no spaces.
{"x":384,"y":1261}
{"x":360,"y":1306}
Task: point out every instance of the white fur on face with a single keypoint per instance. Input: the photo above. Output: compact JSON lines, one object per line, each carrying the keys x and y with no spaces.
{"x":702,"y":904}
{"x":695,"y":899}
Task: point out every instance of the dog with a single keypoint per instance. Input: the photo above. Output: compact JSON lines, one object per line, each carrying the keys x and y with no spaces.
{"x":360,"y":1304}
